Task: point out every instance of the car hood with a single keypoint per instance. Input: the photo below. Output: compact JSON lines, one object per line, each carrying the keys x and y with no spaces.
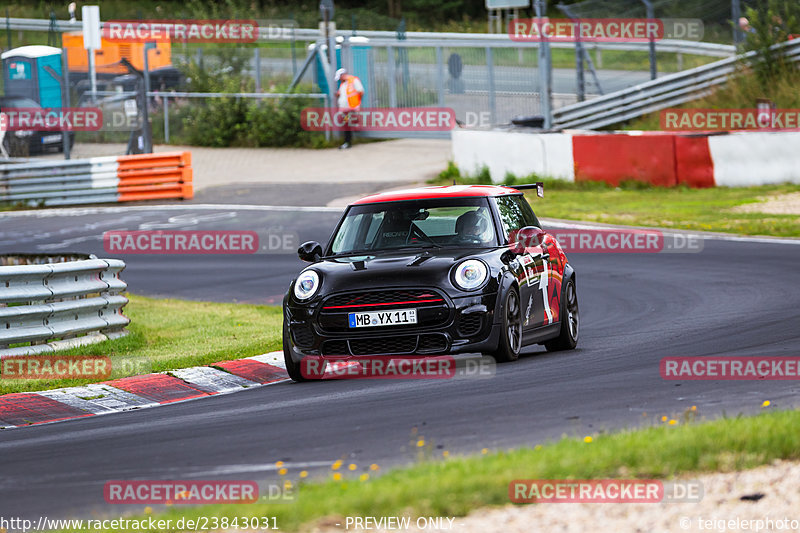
{"x":407,"y":269}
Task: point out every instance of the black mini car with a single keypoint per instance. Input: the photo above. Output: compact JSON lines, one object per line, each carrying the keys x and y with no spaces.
{"x":432,"y":271}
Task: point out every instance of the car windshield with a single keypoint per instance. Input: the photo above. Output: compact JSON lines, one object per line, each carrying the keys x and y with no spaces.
{"x":434,"y":223}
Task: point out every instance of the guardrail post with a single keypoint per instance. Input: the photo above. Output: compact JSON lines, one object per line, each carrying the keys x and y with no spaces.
{"x":391,"y":76}
{"x":440,"y":75}
{"x":257,"y":66}
{"x":490,"y":75}
{"x":545,"y":81}
{"x":166,"y":119}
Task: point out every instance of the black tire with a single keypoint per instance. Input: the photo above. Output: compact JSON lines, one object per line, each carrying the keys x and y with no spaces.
{"x":292,"y":368}
{"x":570,"y":321}
{"x":511,"y":334}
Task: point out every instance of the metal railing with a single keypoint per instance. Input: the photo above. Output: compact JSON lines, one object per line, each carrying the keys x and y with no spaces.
{"x":655,"y":95}
{"x":468,"y":39}
{"x":46,"y":306}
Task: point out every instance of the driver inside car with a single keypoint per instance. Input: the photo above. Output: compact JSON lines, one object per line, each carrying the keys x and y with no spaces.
{"x":473,"y":227}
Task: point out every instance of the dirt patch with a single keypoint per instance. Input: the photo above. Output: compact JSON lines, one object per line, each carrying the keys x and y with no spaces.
{"x":784,"y":204}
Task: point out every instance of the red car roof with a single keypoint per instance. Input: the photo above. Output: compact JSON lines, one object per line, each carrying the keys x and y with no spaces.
{"x":441,"y":191}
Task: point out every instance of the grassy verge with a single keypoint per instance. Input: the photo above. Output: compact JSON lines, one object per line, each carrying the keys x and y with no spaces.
{"x":638,"y":204}
{"x":456,"y":486}
{"x":170,"y":334}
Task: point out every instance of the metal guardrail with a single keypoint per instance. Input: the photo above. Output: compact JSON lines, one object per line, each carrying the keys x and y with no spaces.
{"x":418,"y":38}
{"x":47,"y":306}
{"x":102,"y":179}
{"x":658,"y":94}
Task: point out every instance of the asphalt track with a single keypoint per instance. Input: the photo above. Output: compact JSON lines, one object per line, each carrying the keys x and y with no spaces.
{"x":732,"y":299}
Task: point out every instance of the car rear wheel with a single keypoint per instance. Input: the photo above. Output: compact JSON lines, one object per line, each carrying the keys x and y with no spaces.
{"x":511,"y":335}
{"x":292,"y":368}
{"x":570,"y":321}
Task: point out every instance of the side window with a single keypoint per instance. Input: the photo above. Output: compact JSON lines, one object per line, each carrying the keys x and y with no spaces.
{"x":511,"y":214}
{"x":527,"y":212}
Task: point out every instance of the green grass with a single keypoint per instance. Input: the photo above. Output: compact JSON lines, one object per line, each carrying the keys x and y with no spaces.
{"x":638,"y":204}
{"x":457,"y":485}
{"x":170,"y":334}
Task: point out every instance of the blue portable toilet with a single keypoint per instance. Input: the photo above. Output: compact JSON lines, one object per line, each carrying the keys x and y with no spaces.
{"x":34,"y":71}
{"x":360,"y":53}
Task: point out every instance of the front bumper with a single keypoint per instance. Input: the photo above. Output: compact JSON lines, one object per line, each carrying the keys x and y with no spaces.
{"x":455,"y":325}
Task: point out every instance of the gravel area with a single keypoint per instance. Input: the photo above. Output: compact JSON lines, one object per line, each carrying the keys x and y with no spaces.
{"x":784,"y":204}
{"x":771,"y":493}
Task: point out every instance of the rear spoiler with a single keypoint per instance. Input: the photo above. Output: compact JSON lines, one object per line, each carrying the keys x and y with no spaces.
{"x":539,"y":186}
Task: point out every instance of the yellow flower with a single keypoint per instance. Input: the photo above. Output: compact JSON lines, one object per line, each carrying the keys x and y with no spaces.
{"x":351,"y":466}
{"x":373,"y":467}
{"x":336,"y":465}
{"x":664,"y":418}
{"x":694,"y":408}
{"x":148,"y":510}
{"x":363,"y":477}
{"x":303,"y":474}
{"x":337,"y":476}
{"x":420,"y":443}
{"x":587,"y":438}
{"x":287,"y":484}
{"x":766,"y":403}
{"x":537,"y":447}
{"x":279,"y":464}
{"x":282,"y":471}
{"x":673,"y":422}
{"x":445,"y":454}
{"x":485,"y":451}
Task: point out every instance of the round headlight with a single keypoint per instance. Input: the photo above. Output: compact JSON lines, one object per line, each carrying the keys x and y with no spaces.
{"x":306,"y":285}
{"x":470,"y":274}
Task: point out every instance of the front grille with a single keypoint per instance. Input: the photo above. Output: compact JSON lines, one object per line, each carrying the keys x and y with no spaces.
{"x":470,"y":324}
{"x":432,"y":309}
{"x":302,"y":335}
{"x":405,"y":344}
{"x":355,"y":300}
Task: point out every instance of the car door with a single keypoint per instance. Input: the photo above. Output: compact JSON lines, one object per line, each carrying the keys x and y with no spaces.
{"x":531,"y":270}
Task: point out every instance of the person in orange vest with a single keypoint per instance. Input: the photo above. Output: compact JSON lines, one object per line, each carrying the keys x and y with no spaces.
{"x":348,"y":98}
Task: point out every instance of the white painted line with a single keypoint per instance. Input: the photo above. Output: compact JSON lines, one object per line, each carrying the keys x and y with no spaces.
{"x":707,"y":236}
{"x":82,"y":211}
{"x":212,"y":380}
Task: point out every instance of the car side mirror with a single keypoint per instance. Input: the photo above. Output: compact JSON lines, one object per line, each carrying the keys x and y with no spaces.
{"x":310,"y":251}
{"x":527,"y":237}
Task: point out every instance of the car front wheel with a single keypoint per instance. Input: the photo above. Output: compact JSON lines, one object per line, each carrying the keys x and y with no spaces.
{"x":511,"y":335}
{"x":292,"y":368}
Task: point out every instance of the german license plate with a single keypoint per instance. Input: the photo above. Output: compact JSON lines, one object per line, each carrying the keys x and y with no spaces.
{"x":47,"y":139}
{"x":396,"y":317}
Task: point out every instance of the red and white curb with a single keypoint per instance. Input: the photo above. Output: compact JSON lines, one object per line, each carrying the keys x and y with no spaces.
{"x":137,"y":392}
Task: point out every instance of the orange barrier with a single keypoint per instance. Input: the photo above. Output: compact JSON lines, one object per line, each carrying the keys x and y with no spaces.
{"x":155,"y":176}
